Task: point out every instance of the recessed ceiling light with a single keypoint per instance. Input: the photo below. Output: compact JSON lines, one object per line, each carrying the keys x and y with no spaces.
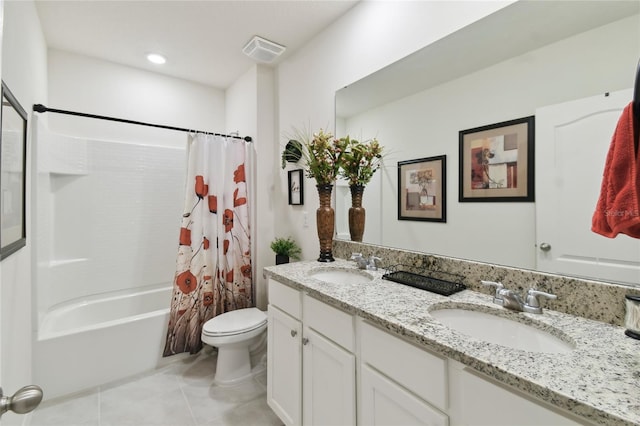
{"x":156,"y":58}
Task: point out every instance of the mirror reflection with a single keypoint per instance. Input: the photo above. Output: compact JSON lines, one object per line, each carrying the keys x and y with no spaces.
{"x":570,"y":64}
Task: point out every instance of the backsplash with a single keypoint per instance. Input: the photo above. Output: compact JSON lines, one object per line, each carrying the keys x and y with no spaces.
{"x":589,"y":299}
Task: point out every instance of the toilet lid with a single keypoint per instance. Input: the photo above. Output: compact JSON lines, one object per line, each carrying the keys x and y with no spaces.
{"x":235,"y":322}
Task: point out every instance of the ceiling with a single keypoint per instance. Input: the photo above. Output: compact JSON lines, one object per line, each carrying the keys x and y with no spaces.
{"x":202,"y":40}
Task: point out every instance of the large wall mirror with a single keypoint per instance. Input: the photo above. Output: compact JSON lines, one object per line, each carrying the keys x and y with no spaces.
{"x":529,"y":58}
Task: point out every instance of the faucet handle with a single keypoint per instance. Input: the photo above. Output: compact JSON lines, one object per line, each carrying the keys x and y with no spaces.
{"x":532,"y":297}
{"x":497,"y":298}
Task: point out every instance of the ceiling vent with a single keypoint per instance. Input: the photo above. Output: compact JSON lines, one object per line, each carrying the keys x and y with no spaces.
{"x":262,"y":50}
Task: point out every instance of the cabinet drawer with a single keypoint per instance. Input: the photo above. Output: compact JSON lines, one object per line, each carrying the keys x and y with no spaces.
{"x":329,"y":321}
{"x":416,"y":369}
{"x":384,"y":402}
{"x":286,"y":298}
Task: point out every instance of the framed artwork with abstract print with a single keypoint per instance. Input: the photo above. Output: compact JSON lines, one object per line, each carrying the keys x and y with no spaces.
{"x":496,"y":162}
{"x":422,"y":189}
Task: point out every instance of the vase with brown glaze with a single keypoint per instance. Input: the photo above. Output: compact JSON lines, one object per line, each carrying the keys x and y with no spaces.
{"x":325,"y":220}
{"x":356,"y":213}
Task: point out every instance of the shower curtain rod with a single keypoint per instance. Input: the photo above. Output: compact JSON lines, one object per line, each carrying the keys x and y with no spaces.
{"x":42,"y":108}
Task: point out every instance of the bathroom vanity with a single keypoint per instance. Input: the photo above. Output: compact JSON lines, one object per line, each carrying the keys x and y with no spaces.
{"x":368,"y":351}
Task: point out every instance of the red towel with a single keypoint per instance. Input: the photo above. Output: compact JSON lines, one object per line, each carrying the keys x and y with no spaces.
{"x":618,"y":208}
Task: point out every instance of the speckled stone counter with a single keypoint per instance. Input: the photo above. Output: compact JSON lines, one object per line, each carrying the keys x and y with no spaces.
{"x":595,"y":300}
{"x":599,"y":380}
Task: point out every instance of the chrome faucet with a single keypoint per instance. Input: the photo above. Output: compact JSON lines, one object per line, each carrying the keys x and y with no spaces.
{"x":510,"y":299}
{"x":370,"y":264}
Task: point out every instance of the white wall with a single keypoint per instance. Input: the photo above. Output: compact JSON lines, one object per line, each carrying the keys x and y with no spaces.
{"x":89,"y":85}
{"x":370,"y":36}
{"x":24,"y":71}
{"x":250,"y":108}
{"x":427,"y":124}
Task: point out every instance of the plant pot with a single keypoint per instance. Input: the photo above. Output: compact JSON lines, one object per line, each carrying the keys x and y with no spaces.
{"x":281,"y":258}
{"x":356,"y":213}
{"x":325,"y":221}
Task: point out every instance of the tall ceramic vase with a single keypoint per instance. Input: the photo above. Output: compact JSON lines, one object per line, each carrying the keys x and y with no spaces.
{"x":325,"y":219}
{"x":356,"y":213}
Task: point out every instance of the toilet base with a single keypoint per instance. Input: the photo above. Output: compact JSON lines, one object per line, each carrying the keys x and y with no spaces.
{"x":234,"y":363}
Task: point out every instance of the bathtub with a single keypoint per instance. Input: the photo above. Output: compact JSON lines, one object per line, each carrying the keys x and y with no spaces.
{"x":87,"y":343}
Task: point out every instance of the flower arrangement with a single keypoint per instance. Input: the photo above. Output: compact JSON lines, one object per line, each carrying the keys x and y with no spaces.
{"x":327,"y":157}
{"x":323,"y":157}
{"x":360,"y":160}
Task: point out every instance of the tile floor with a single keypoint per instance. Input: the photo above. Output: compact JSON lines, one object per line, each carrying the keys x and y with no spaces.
{"x":180,"y":394}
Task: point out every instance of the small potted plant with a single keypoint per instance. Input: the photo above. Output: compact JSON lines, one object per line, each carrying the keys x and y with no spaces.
{"x":285,"y":248}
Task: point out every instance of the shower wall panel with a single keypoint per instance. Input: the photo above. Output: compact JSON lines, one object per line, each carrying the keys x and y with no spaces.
{"x":110,"y":213}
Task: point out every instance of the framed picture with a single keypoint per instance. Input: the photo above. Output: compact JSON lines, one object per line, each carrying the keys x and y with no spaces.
{"x":496,"y":162}
{"x":296,"y":188}
{"x":422,"y":189}
{"x":13,"y":147}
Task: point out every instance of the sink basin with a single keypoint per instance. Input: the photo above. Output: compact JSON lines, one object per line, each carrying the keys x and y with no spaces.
{"x":341,"y":276}
{"x":501,"y":331}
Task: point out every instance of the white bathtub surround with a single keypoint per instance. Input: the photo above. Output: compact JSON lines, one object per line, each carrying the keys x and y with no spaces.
{"x":105,"y":256}
{"x":593,"y":381}
{"x":106,"y":216}
{"x":213,"y":273}
{"x":90,"y":342}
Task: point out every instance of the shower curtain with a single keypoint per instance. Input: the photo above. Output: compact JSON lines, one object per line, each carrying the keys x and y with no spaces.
{"x":213,"y":268}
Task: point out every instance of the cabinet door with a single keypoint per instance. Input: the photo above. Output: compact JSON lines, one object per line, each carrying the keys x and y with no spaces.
{"x":384,"y":402}
{"x":329,"y":382}
{"x":284,"y":366}
{"x":476,"y":401}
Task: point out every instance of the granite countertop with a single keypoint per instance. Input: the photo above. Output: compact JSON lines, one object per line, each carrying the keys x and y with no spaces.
{"x":599,"y":380}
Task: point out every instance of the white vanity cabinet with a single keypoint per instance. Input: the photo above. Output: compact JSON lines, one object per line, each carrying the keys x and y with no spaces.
{"x":311,"y":378}
{"x":284,"y":353}
{"x":323,"y":363}
{"x":399,"y":382}
{"x":477,"y":400}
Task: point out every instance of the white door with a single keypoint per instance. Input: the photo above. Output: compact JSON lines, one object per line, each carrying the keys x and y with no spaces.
{"x":572,"y":141}
{"x":284,"y":366}
{"x":328,"y":382}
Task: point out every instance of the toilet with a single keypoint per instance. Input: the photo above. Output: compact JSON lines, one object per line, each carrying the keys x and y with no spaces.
{"x":237,"y":334}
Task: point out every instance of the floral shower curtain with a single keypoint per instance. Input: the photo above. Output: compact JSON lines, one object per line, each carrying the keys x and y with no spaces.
{"x":213,"y":268}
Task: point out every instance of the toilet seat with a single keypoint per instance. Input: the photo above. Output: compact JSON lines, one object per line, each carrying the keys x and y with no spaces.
{"x":235,"y":322}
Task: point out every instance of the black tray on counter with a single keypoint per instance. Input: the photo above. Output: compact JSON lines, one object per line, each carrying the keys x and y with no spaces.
{"x":432,"y":284}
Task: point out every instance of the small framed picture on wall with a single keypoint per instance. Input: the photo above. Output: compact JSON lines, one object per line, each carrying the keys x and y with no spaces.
{"x":296,"y":187}
{"x":422,"y":189}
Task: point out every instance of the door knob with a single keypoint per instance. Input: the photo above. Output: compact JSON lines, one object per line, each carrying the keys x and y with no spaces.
{"x":305,"y":340}
{"x":293,"y":333}
{"x":545,"y":247}
{"x":25,"y":400}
